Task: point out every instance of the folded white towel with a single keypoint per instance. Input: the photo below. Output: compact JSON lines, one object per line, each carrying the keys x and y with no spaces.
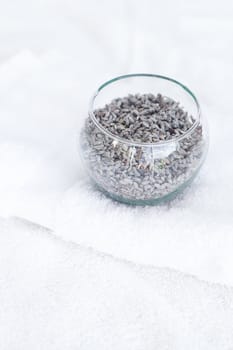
{"x":57,"y":295}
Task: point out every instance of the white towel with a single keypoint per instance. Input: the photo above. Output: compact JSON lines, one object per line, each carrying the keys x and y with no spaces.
{"x":57,"y":295}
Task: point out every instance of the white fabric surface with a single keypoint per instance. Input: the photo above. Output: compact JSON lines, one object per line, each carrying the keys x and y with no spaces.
{"x":59,"y":296}
{"x":53,"y":55}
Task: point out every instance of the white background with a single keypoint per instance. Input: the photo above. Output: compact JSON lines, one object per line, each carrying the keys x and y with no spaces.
{"x":53,"y":55}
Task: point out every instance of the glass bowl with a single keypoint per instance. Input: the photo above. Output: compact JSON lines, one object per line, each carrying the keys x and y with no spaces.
{"x":136,"y":172}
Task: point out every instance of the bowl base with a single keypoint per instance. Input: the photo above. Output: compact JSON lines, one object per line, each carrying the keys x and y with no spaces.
{"x":148,"y":202}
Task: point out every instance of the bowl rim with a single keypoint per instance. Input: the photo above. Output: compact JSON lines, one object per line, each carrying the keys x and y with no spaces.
{"x":136,"y":143}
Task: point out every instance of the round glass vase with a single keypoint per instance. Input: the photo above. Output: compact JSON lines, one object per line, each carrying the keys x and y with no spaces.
{"x":143,"y":173}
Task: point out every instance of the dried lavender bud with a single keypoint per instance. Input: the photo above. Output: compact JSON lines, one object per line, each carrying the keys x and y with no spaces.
{"x":141,"y":172}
